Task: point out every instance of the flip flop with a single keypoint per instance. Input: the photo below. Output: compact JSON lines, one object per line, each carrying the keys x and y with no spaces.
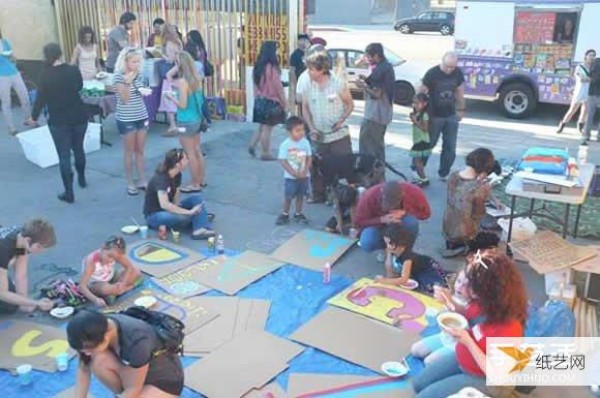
{"x":132,"y":191}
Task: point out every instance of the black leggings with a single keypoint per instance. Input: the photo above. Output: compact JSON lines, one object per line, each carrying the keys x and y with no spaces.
{"x":67,"y":139}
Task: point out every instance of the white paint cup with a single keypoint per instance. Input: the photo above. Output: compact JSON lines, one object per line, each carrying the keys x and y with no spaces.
{"x":62,"y":362}
{"x":144,"y":231}
{"x":24,"y":374}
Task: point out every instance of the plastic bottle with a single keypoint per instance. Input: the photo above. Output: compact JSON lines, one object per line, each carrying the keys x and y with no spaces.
{"x":326,"y":273}
{"x":582,"y":154}
{"x":220,"y":245}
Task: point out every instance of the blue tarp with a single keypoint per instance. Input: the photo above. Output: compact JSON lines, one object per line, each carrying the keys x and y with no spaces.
{"x":296,"y":295}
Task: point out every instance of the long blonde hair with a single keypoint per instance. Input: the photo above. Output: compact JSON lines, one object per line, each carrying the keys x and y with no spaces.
{"x":187,"y":71}
{"x":124,"y":55}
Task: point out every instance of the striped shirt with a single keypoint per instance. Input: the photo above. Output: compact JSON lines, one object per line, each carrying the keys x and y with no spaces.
{"x":326,"y":107}
{"x":134,"y":109}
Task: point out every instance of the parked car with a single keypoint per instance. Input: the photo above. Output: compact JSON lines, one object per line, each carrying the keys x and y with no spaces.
{"x":429,"y":21}
{"x":408,"y":74}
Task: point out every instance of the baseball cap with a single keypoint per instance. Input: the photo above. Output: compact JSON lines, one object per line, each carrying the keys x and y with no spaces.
{"x":391,"y":196}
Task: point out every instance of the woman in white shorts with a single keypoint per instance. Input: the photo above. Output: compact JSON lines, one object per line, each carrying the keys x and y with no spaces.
{"x":580,"y":93}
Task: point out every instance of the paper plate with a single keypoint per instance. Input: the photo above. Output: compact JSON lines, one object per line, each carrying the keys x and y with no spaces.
{"x":62,"y":312}
{"x":394,"y":369}
{"x":410,"y":285}
{"x":146,"y":301}
{"x":101,"y":75}
{"x":130,"y":229}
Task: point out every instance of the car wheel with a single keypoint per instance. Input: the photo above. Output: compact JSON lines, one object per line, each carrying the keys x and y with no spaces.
{"x":403,"y":93}
{"x":405,"y":28}
{"x":445,"y":30}
{"x":517,"y":100}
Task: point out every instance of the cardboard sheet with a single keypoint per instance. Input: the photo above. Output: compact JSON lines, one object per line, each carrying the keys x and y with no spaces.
{"x":31,"y":343}
{"x":548,"y":252}
{"x":159,"y":257}
{"x":254,"y":357}
{"x":183,"y":283}
{"x":306,"y":385}
{"x":231,"y":274}
{"x":312,"y":249}
{"x":69,"y":393}
{"x":386,"y":303}
{"x":271,"y":390}
{"x":190,"y":311}
{"x":592,"y":265}
{"x":355,"y":338}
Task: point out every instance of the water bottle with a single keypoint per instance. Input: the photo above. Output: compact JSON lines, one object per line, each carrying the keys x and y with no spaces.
{"x":326,"y":273}
{"x":220,"y":245}
{"x":582,"y":154}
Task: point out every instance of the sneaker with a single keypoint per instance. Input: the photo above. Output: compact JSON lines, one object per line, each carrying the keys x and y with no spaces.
{"x":282,"y":219}
{"x":455,"y":252}
{"x":203,"y":233}
{"x":424,"y":182}
{"x":381,"y":256}
{"x":300,"y":218}
{"x":444,"y":178}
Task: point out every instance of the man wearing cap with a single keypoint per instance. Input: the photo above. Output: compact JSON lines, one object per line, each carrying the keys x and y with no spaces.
{"x":388,"y":203}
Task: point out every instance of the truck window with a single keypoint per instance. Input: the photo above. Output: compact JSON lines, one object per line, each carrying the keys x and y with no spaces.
{"x":565,"y":28}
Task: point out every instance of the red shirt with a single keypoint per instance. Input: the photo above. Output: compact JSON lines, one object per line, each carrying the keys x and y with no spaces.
{"x":480,"y":333}
{"x":472,"y":310}
{"x":369,"y":211}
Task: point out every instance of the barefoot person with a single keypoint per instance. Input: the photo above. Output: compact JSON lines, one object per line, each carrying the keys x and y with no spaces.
{"x":100,"y":280}
{"x":16,"y":244}
{"x":125,"y":354}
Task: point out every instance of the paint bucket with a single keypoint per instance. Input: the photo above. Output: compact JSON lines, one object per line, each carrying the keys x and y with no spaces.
{"x":24,"y":375}
{"x":62,"y":362}
{"x":143,"y":231}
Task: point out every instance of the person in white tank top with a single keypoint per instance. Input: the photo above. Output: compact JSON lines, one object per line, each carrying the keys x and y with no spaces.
{"x":85,"y":54}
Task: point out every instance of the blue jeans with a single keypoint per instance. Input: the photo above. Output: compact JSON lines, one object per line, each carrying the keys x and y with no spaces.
{"x":371,"y":238}
{"x":179,"y":221}
{"x":443,"y":377}
{"x":447,"y":128}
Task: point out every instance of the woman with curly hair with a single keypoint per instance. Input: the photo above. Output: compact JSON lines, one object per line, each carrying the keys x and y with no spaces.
{"x":497,"y":284}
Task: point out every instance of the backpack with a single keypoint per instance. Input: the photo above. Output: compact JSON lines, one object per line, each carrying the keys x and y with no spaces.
{"x":168,"y":328}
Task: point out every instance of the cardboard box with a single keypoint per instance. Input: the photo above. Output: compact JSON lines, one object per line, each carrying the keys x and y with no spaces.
{"x":39,"y":148}
{"x":541,"y":187}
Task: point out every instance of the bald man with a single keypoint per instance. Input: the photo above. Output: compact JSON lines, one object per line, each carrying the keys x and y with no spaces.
{"x":444,"y":84}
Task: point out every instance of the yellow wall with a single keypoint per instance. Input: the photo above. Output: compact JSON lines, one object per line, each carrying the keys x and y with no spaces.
{"x":29,"y":25}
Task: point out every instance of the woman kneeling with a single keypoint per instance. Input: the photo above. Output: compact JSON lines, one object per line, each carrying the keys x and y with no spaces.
{"x":125,"y":354}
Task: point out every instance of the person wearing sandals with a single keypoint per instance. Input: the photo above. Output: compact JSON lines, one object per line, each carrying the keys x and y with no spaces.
{"x":189,"y":115}
{"x":132,"y":115}
{"x":162,"y":205}
{"x":269,"y":99}
{"x":580,"y":93}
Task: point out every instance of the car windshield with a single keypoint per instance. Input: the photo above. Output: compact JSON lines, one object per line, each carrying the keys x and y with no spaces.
{"x":392,"y":57}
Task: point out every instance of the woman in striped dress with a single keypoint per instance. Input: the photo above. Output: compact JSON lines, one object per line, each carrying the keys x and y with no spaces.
{"x":132,"y":116}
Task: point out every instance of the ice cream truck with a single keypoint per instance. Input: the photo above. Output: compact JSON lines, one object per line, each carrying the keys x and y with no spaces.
{"x":522,"y":53}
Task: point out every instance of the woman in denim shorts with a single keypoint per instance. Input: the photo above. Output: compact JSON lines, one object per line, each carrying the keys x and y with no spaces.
{"x":132,"y":115}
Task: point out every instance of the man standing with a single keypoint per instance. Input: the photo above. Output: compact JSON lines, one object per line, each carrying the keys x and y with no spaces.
{"x":326,"y":104}
{"x":118,"y":39}
{"x":445,"y":85}
{"x":15,"y":246}
{"x":388,"y":203}
{"x":379,"y":96}
{"x":593,"y":102}
{"x":297,"y":57}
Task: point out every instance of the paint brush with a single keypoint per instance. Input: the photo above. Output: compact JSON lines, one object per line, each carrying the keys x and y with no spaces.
{"x":406,"y":363}
{"x":135,"y":222}
{"x":359,"y":291}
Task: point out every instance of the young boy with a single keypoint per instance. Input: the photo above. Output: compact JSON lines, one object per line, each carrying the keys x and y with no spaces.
{"x":402,"y":264}
{"x":16,"y":244}
{"x":295,"y":155}
{"x":100,"y":280}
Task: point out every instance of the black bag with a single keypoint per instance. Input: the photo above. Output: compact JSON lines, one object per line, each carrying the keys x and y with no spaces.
{"x":168,"y":328}
{"x":267,"y":111}
{"x":209,"y":69}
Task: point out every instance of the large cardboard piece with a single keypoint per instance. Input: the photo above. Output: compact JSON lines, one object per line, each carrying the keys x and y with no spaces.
{"x":355,"y":338}
{"x":231,"y":274}
{"x":160,"y":258}
{"x":549,"y":252}
{"x":313,"y":249}
{"x":31,"y":343}
{"x":235,"y":317}
{"x":190,"y":311}
{"x":308,"y":385}
{"x":246,"y":362}
{"x":69,"y":393}
{"x":183,"y":283}
{"x":271,"y":390}
{"x":386,"y":303}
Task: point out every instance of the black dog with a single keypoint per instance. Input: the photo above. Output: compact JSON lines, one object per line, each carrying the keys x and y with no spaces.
{"x":356,"y":169}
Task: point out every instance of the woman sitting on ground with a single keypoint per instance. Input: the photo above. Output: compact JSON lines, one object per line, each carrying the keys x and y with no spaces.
{"x":162,"y":205}
{"x":100,"y":280}
{"x":497,"y":283}
{"x":125,"y":354}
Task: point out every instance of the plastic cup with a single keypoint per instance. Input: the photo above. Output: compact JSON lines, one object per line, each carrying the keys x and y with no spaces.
{"x":62,"y":362}
{"x":24,"y":375}
{"x":175,"y":236}
{"x":431,"y":316}
{"x":144,"y":231}
{"x":353,"y":233}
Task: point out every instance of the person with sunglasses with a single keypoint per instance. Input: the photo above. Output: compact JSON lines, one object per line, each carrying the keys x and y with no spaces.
{"x":100,"y":279}
{"x":498,"y":285}
{"x":162,"y":205}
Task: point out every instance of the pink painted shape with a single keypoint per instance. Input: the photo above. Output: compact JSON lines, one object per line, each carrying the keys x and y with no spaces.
{"x":409,"y":309}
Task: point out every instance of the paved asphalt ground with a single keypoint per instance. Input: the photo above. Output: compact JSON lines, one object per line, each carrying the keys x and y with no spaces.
{"x":246,"y":194}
